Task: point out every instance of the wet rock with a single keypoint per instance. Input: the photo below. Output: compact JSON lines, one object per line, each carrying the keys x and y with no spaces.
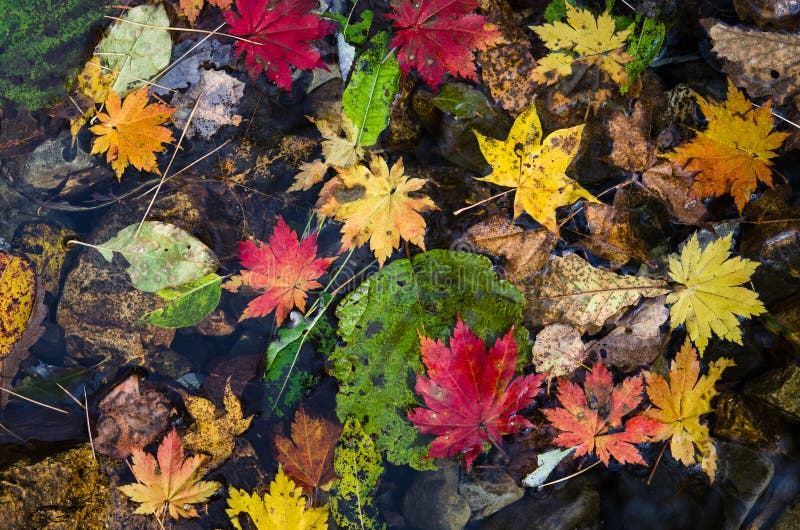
{"x":457,"y":142}
{"x":790,"y":519}
{"x":488,"y":491}
{"x":770,"y":14}
{"x":742,"y":475}
{"x":780,"y":388}
{"x":432,"y":501}
{"x":64,"y":491}
{"x":740,"y":420}
{"x":575,"y":506}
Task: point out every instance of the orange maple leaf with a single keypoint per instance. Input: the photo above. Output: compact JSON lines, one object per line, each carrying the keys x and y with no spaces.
{"x":308,"y":456}
{"x":192,"y":8}
{"x":130,"y":132}
{"x":735,"y":151}
{"x":173,"y":484}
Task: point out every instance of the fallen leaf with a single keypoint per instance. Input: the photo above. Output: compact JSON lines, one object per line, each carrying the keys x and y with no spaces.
{"x":437,"y":37}
{"x":311,"y":173}
{"x":282,"y":508}
{"x":765,"y":63}
{"x":611,"y":234}
{"x":632,"y":150}
{"x":558,"y":350}
{"x":214,"y":433}
{"x":582,"y":41}
{"x":636,"y":339}
{"x":679,"y":400}
{"x":282,"y":32}
{"x":546,"y":463}
{"x":192,"y":8}
{"x":591,"y":418}
{"x":219,"y":94}
{"x":94,"y":83}
{"x":384,"y":213}
{"x":187,"y":304}
{"x":130,"y":132}
{"x":17,"y":297}
{"x":535,"y":168}
{"x":735,"y":151}
{"x":464,"y":409}
{"x":340,"y":146}
{"x":173,"y":484}
{"x":284,"y":270}
{"x":308,"y":456}
{"x":711,"y":295}
{"x":198,"y":55}
{"x":673,"y":185}
{"x":525,"y":251}
{"x":574,"y":292}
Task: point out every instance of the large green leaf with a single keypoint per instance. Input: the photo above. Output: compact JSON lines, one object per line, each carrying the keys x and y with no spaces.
{"x":372,"y":87}
{"x":187,"y":304}
{"x":380,"y":320}
{"x":137,"y":47}
{"x":161,"y":256}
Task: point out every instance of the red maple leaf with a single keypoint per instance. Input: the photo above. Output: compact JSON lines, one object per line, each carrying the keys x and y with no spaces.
{"x":472,"y":397}
{"x":439,"y":36}
{"x":591,"y":417}
{"x":284,"y":270}
{"x":284,"y":30}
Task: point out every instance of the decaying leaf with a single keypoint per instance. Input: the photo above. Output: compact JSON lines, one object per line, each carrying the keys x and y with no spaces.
{"x":130,"y":132}
{"x":611,"y":234}
{"x":735,"y":151}
{"x":583,"y":40}
{"x":308,"y":456}
{"x":591,"y":418}
{"x":170,"y":485}
{"x":535,"y":168}
{"x":574,"y":292}
{"x":218,"y":93}
{"x":384,"y":212}
{"x":765,"y":63}
{"x":711,"y":294}
{"x":636,"y":339}
{"x":282,"y":508}
{"x":525,"y":251}
{"x":95,"y":83}
{"x":215,"y":433}
{"x":285,"y":270}
{"x":17,"y":296}
{"x":558,"y":350}
{"x":311,"y":173}
{"x":192,"y":8}
{"x":679,"y":400}
{"x":673,"y":184}
{"x":472,"y":396}
{"x":339,"y":151}
{"x":633,"y":150}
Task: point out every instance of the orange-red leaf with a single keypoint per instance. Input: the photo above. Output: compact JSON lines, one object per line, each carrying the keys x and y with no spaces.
{"x":590,"y":418}
{"x":308,"y":456}
{"x":130,"y":132}
{"x":472,"y":396}
{"x":283,"y":270}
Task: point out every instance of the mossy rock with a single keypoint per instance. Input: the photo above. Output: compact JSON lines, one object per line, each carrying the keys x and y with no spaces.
{"x":42,"y":43}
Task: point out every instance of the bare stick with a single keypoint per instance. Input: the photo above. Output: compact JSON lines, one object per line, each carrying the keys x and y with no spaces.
{"x":45,"y":405}
{"x":457,"y":212}
{"x":190,"y":30}
{"x":67,"y":392}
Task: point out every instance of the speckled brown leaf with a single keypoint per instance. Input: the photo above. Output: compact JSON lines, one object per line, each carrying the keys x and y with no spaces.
{"x":525,"y":251}
{"x":673,"y":185}
{"x":308,"y":456}
{"x":558,"y":350}
{"x":629,"y":133}
{"x":612,"y":236}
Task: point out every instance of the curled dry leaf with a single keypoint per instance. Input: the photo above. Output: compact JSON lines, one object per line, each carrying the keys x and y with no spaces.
{"x":633,"y":150}
{"x":558,"y":350}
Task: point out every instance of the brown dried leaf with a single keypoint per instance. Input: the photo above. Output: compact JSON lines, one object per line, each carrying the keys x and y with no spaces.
{"x":525,"y":251}
{"x":612,"y":236}
{"x":633,"y":150}
{"x":673,"y":185}
{"x":558,"y":350}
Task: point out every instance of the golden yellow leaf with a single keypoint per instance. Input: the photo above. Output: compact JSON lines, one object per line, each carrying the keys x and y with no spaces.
{"x":679,"y":401}
{"x":383,"y":213}
{"x":17,"y":295}
{"x":95,"y":83}
{"x":535,"y":167}
{"x":339,"y":151}
{"x":583,"y":39}
{"x":310,"y":173}
{"x":215,"y":433}
{"x":282,"y":508}
{"x":735,"y":151}
{"x":711,"y":296}
{"x":131,"y":132}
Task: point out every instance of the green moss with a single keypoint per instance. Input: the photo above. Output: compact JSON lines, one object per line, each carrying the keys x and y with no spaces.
{"x":41,"y":47}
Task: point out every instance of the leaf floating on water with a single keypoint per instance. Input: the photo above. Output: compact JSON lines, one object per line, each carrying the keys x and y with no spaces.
{"x":187,"y":304}
{"x":547,"y":463}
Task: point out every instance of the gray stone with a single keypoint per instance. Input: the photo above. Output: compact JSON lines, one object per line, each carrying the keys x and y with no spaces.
{"x":47,"y":167}
{"x":488,"y":491}
{"x":779,"y":388}
{"x":742,"y":475}
{"x":576,"y":505}
{"x":432,"y":501}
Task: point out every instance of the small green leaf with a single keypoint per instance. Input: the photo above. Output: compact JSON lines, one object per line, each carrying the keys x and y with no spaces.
{"x":371,"y":90}
{"x":284,"y":348}
{"x":187,"y":304}
{"x":161,"y":256}
{"x":644,"y":45}
{"x":462,"y":100}
{"x":354,"y":32}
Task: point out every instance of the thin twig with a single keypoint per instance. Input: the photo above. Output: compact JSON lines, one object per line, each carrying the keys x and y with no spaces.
{"x":145,"y":81}
{"x":88,"y":424}
{"x":457,"y":212}
{"x":790,"y":122}
{"x":67,"y":392}
{"x":584,"y":470}
{"x":45,"y":405}
{"x":190,"y":30}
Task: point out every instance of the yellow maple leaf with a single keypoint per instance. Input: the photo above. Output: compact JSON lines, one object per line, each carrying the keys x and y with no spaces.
{"x":172,"y":484}
{"x":383,"y":213}
{"x":678,"y":403}
{"x":282,"y":508}
{"x":95,"y":83}
{"x":535,"y":167}
{"x":711,"y":295}
{"x":735,"y":151}
{"x":583,"y":39}
{"x":131,"y":132}
{"x":215,"y":433}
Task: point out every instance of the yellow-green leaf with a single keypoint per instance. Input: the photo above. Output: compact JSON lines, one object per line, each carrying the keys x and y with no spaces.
{"x":711,"y":295}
